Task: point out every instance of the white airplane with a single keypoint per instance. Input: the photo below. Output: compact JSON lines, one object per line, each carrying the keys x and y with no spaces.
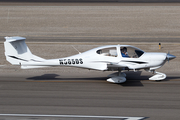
{"x":106,"y":58}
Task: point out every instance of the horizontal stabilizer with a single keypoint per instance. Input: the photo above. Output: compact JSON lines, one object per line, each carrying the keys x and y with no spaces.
{"x":12,"y":39}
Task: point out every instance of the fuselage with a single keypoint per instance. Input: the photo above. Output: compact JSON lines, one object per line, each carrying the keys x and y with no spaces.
{"x":110,"y":58}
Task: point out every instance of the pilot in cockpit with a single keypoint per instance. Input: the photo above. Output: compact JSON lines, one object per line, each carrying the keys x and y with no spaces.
{"x":124,"y":52}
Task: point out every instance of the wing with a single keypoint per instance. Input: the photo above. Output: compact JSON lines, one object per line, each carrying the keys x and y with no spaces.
{"x":127,"y":65}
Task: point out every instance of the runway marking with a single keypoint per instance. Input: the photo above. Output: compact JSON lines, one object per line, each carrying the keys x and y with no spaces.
{"x":74,"y":116}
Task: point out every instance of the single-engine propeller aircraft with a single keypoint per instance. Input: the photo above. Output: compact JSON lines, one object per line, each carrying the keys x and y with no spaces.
{"x":105,"y":58}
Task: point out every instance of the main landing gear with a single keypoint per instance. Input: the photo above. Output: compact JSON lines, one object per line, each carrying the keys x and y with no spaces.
{"x":117,"y":77}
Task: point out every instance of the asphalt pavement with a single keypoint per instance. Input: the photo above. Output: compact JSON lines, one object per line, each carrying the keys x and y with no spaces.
{"x":87,"y":94}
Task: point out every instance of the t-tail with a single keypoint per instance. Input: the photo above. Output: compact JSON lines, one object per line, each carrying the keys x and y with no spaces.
{"x":18,"y":53}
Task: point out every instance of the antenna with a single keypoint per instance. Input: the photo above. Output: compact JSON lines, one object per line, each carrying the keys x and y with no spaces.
{"x":76,"y":49}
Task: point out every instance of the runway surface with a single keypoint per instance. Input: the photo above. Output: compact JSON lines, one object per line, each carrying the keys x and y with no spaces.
{"x":73,"y":94}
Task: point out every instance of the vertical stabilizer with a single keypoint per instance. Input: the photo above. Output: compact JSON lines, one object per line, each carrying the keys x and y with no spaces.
{"x":16,"y":51}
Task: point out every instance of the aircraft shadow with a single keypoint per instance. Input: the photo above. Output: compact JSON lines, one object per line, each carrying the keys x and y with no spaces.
{"x":171,"y":78}
{"x":54,"y":77}
{"x":133,"y":78}
{"x":45,"y":77}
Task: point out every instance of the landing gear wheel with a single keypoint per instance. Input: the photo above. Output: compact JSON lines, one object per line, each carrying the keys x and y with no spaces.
{"x":117,"y":77}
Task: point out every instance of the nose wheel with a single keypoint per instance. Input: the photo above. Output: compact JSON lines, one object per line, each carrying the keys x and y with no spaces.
{"x":158,"y":76}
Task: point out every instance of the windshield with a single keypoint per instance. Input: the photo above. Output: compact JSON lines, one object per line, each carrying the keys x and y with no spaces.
{"x":131,"y":52}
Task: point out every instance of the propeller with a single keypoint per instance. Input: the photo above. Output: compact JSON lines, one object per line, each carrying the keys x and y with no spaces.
{"x":169,"y":56}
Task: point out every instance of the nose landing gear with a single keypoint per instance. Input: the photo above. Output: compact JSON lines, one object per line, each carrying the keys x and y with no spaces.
{"x":158,"y":76}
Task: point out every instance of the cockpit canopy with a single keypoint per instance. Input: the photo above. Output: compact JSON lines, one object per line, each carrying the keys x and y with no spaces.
{"x":125,"y":51}
{"x":111,"y":51}
{"x":131,"y":52}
